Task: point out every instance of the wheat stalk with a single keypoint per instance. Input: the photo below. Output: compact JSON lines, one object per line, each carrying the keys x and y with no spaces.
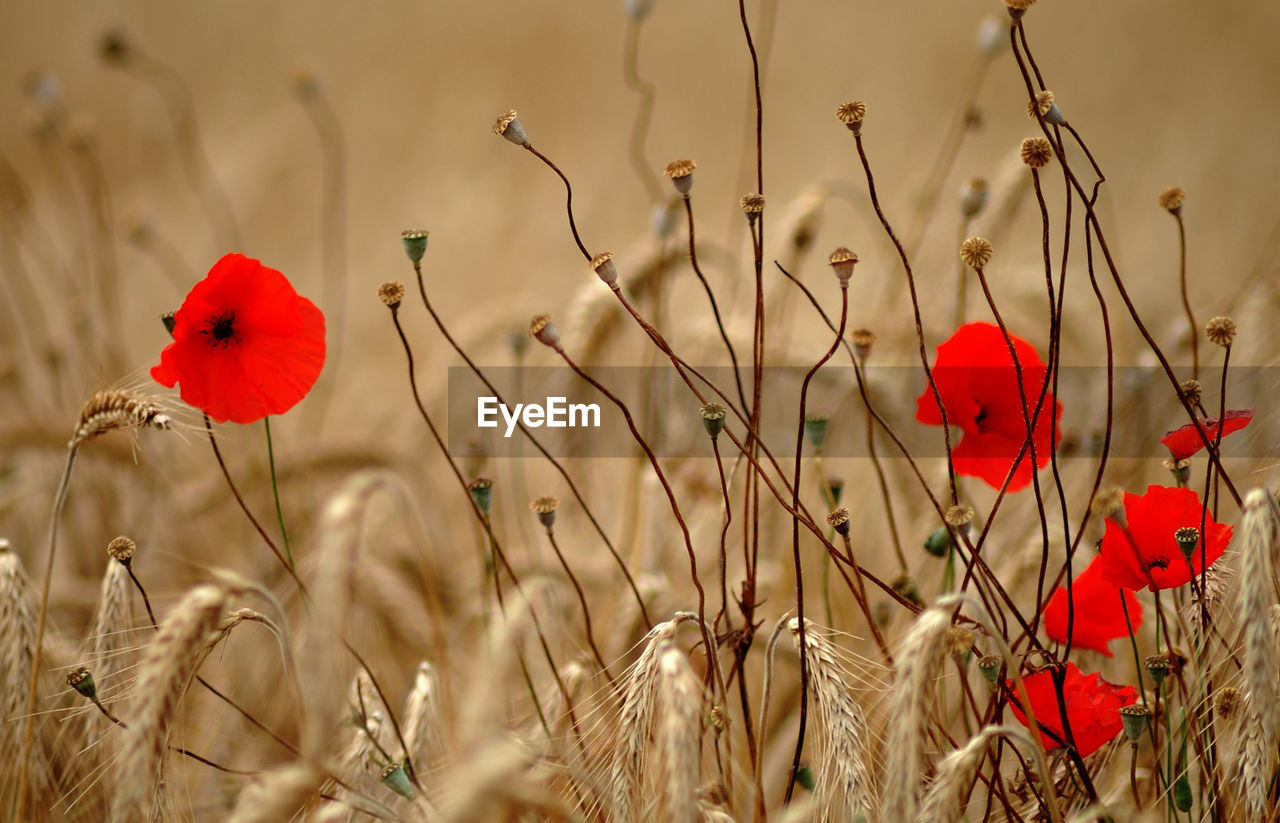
{"x":422,"y":736}
{"x":17,"y":651}
{"x":1257,"y":595}
{"x":112,"y":409}
{"x":634,"y":720}
{"x":277,"y":795}
{"x":944,"y":800}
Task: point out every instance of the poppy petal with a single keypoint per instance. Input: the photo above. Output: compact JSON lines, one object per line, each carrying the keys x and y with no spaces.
{"x":1185,"y":441}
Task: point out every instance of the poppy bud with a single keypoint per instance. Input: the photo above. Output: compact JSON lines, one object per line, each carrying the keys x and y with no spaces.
{"x":712,"y":418}
{"x":1221,"y":331}
{"x":1182,"y":798}
{"x":842,"y":262}
{"x":1135,"y":717}
{"x":680,"y":173}
{"x":835,"y":488}
{"x":1171,"y":199}
{"x":638,"y":10}
{"x":1157,"y":665}
{"x":395,"y":779}
{"x":851,"y":115}
{"x":415,"y":244}
{"x":509,"y":127}
{"x":391,"y":292}
{"x":973,"y":197}
{"x":602,"y":265}
{"x":121,"y":550}
{"x":81,"y":680}
{"x":482,"y":493}
{"x":938,"y":542}
{"x":990,"y":668}
{"x":839,"y":520}
{"x":752,"y":206}
{"x":545,"y":508}
{"x":863,"y":340}
{"x":815,"y":430}
{"x":804,"y":776}
{"x":545,"y":332}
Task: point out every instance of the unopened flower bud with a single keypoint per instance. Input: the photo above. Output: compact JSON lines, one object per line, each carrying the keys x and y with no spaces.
{"x":482,"y":493}
{"x":938,"y":542}
{"x":1109,"y":502}
{"x":81,"y":679}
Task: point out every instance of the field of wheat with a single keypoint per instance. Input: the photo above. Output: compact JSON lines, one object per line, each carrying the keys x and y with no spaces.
{"x":933,"y":474}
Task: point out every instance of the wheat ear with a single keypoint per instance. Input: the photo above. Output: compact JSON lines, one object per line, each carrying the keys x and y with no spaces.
{"x":277,"y":795}
{"x":678,"y":735}
{"x":944,"y":802}
{"x":845,"y":784}
{"x":1257,"y":595}
{"x":422,"y":720}
{"x":17,"y":651}
{"x":919,"y":659}
{"x":163,"y":675}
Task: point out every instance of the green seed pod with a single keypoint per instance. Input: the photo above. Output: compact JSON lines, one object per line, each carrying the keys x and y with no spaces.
{"x":395,"y":779}
{"x":1188,"y":537}
{"x":482,"y":492}
{"x":81,"y":680}
{"x":415,"y":244}
{"x":1135,"y":717}
{"x":835,"y":488}
{"x":990,"y":667}
{"x":939,"y":542}
{"x":815,"y":431}
{"x":713,"y":419}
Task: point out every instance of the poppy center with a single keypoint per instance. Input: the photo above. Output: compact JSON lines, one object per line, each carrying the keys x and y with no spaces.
{"x":1158,"y":562}
{"x":220,"y":329}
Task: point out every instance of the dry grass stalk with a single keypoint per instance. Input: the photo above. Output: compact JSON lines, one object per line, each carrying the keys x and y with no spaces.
{"x":845,"y":785}
{"x":638,"y":692}
{"x":277,"y":795}
{"x":910,"y":704}
{"x":163,"y":676}
{"x":112,"y":409}
{"x":17,"y":651}
{"x":678,"y":736}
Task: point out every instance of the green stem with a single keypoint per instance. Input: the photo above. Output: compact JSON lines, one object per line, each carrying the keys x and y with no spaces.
{"x":275,"y":491}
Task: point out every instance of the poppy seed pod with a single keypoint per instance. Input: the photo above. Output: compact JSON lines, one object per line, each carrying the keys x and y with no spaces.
{"x":752,"y":206}
{"x":959,"y":517}
{"x":1135,"y":717}
{"x":482,"y":493}
{"x":395,"y":779}
{"x":1187,"y":537}
{"x":842,"y":262}
{"x":839,"y":520}
{"x":975,"y":252}
{"x":815,"y":430}
{"x":835,"y":488}
{"x":415,"y":244}
{"x":508,"y":126}
{"x":990,"y":667}
{"x":121,"y":550}
{"x":1221,"y":331}
{"x":391,"y":292}
{"x":545,"y":509}
{"x":1036,"y":152}
{"x":863,"y":340}
{"x":851,"y":114}
{"x":1157,"y":665}
{"x":544,"y":331}
{"x":712,"y":418}
{"x":938,"y":542}
{"x":602,"y":265}
{"x":680,"y":172}
{"x":81,"y":679}
{"x":1171,"y":199}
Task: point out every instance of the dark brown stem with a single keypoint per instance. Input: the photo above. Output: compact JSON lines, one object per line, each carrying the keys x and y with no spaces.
{"x":1193,"y":329}
{"x":644,"y":112}
{"x":568,"y":204}
{"x":715,"y":309}
{"x":582,"y":599}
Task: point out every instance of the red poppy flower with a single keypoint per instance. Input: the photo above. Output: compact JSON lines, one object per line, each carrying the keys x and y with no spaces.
{"x":1099,"y":615}
{"x":1093,"y":708}
{"x":1185,"y":441}
{"x":245,"y":344}
{"x":978,"y":385}
{"x":1146,"y":554}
